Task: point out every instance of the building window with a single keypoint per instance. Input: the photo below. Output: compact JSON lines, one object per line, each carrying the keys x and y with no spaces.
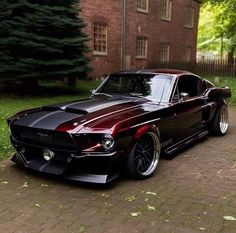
{"x":142,"y":5}
{"x":99,"y":38}
{"x":189,"y":17}
{"x":187,"y":54}
{"x":166,"y":8}
{"x":141,"y":47}
{"x":164,"y":52}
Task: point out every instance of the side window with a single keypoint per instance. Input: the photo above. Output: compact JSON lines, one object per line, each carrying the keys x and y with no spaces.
{"x":188,"y":84}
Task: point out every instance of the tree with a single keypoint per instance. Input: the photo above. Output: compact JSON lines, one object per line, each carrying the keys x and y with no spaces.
{"x":42,"y":39}
{"x":218,"y":23}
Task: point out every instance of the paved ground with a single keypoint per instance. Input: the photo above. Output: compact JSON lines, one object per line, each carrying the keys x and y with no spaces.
{"x":194,"y":192}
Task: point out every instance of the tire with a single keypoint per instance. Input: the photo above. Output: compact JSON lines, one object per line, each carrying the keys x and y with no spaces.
{"x":144,"y":158}
{"x":220,"y":122}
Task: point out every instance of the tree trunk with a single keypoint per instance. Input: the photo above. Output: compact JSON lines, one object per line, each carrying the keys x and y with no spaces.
{"x":231,"y":55}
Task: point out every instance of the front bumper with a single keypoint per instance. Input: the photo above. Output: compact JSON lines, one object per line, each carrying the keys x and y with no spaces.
{"x":94,"y":168}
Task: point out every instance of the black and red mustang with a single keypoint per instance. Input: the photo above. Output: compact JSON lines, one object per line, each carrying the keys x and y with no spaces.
{"x":129,"y":120}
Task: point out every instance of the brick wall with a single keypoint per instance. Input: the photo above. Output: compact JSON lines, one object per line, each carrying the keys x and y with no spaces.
{"x":106,"y":11}
{"x":148,"y":25}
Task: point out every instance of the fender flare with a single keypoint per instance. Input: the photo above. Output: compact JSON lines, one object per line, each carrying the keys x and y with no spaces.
{"x":144,"y":129}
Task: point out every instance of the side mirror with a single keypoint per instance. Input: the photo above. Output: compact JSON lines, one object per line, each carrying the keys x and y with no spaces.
{"x":184,"y":96}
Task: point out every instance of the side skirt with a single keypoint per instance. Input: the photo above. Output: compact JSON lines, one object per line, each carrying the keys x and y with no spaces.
{"x":185,"y":142}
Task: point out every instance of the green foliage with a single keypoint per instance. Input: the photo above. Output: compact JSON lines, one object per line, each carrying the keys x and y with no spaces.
{"x":42,"y":39}
{"x":218,"y":20}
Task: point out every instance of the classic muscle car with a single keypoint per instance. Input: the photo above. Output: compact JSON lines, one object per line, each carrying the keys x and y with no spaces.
{"x":128,"y":121}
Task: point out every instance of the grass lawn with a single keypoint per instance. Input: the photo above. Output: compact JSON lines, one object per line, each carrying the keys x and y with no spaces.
{"x":53,"y":93}
{"x":9,"y":105}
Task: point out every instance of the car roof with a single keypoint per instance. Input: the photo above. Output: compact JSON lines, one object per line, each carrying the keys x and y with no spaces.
{"x":155,"y":71}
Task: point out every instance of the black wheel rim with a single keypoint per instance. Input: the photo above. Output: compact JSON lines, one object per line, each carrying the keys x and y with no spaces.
{"x":146,"y":155}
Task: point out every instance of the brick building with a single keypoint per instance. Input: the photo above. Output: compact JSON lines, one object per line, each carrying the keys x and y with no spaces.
{"x":133,"y":34}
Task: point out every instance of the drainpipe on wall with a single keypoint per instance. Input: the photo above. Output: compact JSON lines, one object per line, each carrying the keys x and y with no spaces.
{"x":123,"y":33}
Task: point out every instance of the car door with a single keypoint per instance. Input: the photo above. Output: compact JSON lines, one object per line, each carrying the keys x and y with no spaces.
{"x":188,"y":105}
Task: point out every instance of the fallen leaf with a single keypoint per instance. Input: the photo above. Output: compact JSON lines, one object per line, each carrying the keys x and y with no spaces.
{"x":108,"y":204}
{"x":105,"y":195}
{"x":229,"y":218}
{"x":152,"y":208}
{"x":82,"y":229}
{"x":151,"y":193}
{"x":135,"y":214}
{"x":25,"y":185}
{"x":219,"y":172}
{"x":130,"y":198}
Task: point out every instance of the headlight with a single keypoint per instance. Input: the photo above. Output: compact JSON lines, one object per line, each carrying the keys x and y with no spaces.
{"x":108,"y":142}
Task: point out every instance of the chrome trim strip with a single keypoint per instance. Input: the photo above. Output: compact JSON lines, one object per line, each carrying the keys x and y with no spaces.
{"x":96,"y":154}
{"x":147,"y":122}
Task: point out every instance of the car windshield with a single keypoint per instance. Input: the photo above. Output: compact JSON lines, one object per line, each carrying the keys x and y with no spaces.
{"x":149,"y":86}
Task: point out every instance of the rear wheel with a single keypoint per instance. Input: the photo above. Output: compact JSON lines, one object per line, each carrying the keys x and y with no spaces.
{"x":220,"y":122}
{"x":144,"y":158}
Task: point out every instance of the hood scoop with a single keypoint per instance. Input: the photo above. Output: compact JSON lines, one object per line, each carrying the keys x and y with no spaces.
{"x":68,"y":109}
{"x":76,"y":110}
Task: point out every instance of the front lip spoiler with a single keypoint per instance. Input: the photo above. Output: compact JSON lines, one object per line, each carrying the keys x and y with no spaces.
{"x":92,"y":178}
{"x":104,"y":174}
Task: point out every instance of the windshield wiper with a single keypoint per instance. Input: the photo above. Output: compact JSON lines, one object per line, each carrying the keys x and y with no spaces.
{"x":140,"y":95}
{"x":136,"y":94}
{"x":101,"y":93}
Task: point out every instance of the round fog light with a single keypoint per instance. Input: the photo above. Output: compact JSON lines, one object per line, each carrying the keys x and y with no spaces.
{"x":48,"y":154}
{"x":108,"y":142}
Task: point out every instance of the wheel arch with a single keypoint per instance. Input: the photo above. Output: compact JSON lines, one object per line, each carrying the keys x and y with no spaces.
{"x":132,"y":168}
{"x":144,"y":129}
{"x":140,"y":131}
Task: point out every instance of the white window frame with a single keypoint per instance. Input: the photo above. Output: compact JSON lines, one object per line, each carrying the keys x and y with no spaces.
{"x":187,"y":53}
{"x":100,"y":40}
{"x":142,"y":9}
{"x":141,"y":47}
{"x":164,"y":52}
{"x":189,"y":15}
{"x":166,"y":9}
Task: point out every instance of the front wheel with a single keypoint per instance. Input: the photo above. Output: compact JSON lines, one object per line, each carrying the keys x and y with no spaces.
{"x":144,"y":158}
{"x":220,"y":122}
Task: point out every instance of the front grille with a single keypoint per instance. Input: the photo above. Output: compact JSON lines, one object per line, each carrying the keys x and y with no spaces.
{"x":42,"y":137}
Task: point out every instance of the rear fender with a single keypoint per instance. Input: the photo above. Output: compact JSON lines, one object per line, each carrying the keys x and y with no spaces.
{"x":218,"y":94}
{"x":217,"y":97}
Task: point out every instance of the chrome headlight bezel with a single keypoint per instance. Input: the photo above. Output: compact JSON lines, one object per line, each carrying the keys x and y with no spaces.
{"x":108,"y":142}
